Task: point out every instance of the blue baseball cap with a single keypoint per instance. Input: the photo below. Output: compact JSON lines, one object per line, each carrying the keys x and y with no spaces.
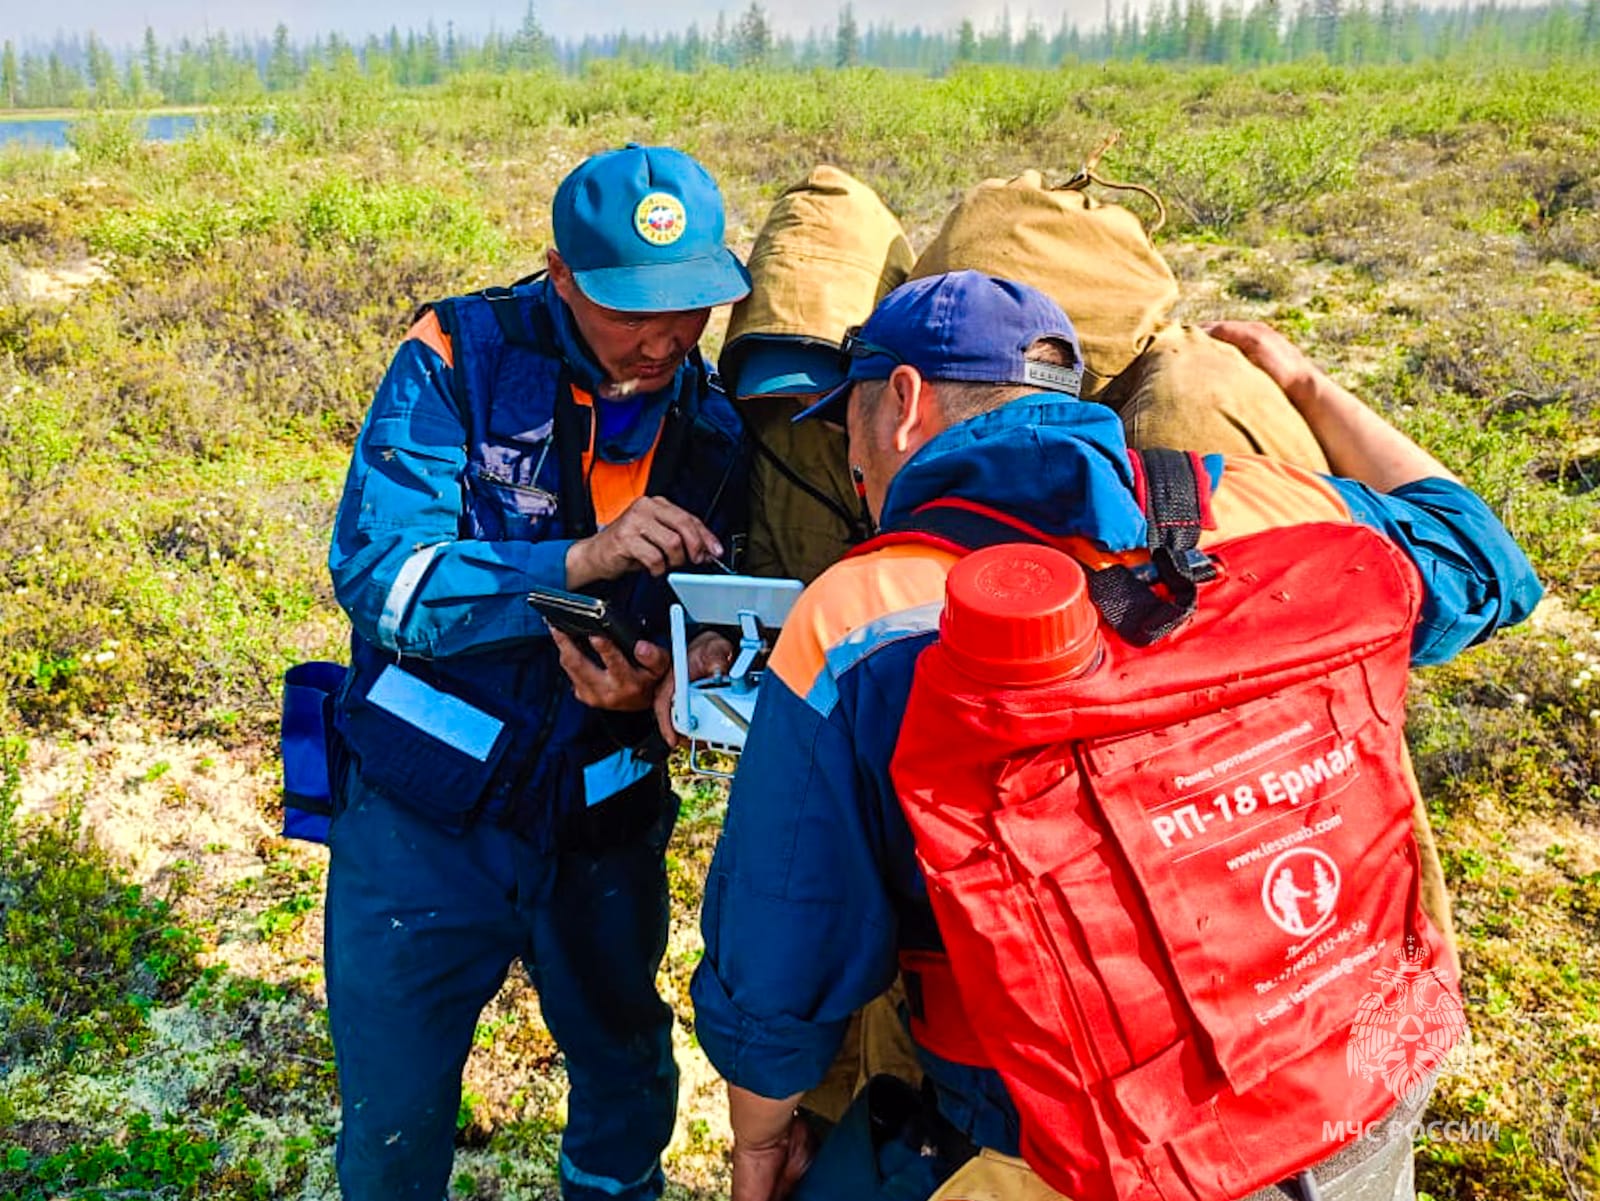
{"x":641,"y":228}
{"x":781,"y":365}
{"x":962,"y":325}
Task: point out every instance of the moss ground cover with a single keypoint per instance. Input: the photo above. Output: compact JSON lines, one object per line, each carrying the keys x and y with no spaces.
{"x":173,"y":433}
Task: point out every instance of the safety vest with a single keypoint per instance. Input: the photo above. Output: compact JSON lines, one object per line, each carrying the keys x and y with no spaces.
{"x":1179,"y":891}
{"x":528,"y":435}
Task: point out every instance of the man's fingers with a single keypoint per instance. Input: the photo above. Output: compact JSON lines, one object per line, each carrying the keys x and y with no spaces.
{"x":612,"y":660}
{"x":649,"y":665}
{"x":663,"y":708}
{"x":1238,"y":333}
{"x":567,"y":650}
{"x":692,"y":534}
{"x":643,"y":553}
{"x":652,"y":535}
{"x":667,"y":543}
{"x":709,"y":655}
{"x":651,"y":657}
{"x":699,"y":543}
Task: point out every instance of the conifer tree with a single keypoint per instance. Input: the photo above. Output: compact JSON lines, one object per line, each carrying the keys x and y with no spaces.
{"x":752,"y":37}
{"x":967,"y":41}
{"x":847,"y":39}
{"x":10,"y":76}
{"x":152,"y":58}
{"x":530,"y":48}
{"x":282,"y":71}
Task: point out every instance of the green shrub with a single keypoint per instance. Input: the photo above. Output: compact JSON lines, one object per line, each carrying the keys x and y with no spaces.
{"x":148,"y":1160}
{"x":182,"y":227}
{"x":107,"y":139}
{"x":83,"y":953}
{"x":341,"y":210}
{"x":1213,"y":178}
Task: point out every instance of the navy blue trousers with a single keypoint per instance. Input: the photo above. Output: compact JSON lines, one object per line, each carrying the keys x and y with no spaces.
{"x":422,"y":927}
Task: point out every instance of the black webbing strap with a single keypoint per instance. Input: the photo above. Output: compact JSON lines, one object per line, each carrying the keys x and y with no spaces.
{"x":859,"y":523}
{"x":1173,"y":512}
{"x":1125,"y":596}
{"x":445,"y":312}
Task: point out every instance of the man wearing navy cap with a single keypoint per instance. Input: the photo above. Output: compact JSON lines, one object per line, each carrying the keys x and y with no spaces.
{"x":962,"y":390}
{"x":501,"y":799}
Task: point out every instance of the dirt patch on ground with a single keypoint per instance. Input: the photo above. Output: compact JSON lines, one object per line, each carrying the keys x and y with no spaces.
{"x":153,"y":801}
{"x":61,"y":283}
{"x":198,"y":822}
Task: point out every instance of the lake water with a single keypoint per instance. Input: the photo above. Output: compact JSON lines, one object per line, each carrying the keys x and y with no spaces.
{"x":53,"y":131}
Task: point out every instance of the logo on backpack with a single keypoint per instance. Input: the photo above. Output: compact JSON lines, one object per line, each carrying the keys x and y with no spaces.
{"x":1404,"y":1041}
{"x":1300,"y":890}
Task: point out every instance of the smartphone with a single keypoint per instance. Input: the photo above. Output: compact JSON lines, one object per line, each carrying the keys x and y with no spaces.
{"x":584,"y":616}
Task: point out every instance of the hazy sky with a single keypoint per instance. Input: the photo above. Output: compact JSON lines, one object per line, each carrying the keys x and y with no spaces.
{"x":124,"y":21}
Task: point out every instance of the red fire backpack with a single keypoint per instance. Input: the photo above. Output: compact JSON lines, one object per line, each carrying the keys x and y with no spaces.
{"x":1178,"y":892}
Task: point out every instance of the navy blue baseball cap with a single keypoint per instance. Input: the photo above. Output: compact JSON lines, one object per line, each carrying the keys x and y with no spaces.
{"x":641,"y":228}
{"x":962,"y":325}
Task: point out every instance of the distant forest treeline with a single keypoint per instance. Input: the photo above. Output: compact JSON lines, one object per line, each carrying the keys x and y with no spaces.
{"x":83,"y":72}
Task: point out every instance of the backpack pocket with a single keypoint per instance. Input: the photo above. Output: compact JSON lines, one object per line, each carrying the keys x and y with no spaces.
{"x":1271,"y":855}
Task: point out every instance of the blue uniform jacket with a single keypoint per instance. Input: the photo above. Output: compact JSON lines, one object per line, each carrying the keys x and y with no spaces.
{"x":814,"y":887}
{"x":470,"y":479}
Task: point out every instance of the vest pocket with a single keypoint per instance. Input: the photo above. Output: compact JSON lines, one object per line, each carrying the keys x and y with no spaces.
{"x":424,"y":748}
{"x":523,"y":510}
{"x":312,"y":752}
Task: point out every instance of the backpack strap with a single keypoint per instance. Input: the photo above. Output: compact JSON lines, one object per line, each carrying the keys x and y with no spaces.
{"x":1174,"y":502}
{"x":1174,"y":495}
{"x":444,"y":310}
{"x":858,"y":523}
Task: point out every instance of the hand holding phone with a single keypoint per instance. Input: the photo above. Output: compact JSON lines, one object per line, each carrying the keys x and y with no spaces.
{"x":584,"y":617}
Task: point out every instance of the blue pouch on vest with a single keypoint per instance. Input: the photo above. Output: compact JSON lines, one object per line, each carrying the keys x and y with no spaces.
{"x":310,"y":747}
{"x":432,"y":751}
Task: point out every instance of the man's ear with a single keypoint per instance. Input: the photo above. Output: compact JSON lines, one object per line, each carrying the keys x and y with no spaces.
{"x":917,"y":417}
{"x":560,"y":274}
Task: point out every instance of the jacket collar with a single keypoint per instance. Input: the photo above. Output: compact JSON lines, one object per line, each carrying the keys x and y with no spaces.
{"x":1059,"y":464}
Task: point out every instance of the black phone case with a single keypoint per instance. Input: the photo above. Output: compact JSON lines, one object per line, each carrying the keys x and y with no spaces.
{"x":583,"y":616}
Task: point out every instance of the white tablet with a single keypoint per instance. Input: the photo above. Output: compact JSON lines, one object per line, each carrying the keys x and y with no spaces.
{"x":719,"y":599}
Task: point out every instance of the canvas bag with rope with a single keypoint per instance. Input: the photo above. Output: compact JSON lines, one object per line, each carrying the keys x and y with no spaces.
{"x":1171,"y":384}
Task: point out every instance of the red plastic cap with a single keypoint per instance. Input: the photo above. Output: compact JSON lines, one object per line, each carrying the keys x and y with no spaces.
{"x":1019,"y":614}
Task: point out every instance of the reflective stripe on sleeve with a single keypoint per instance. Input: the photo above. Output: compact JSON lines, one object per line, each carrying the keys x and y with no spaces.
{"x":401,"y":593}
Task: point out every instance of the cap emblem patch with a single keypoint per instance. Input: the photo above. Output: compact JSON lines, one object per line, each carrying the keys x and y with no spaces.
{"x":659,"y":219}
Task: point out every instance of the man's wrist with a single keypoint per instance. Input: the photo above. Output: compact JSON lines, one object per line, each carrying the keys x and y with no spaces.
{"x":579,"y":570}
{"x":759,"y":1122}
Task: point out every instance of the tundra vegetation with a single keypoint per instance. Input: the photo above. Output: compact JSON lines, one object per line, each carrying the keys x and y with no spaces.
{"x":190,"y":332}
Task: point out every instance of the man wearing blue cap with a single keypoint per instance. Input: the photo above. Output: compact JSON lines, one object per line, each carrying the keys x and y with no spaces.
{"x":501,"y":799}
{"x":961,"y":391}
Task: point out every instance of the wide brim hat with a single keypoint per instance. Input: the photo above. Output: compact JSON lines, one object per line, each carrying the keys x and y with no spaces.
{"x":780,"y":365}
